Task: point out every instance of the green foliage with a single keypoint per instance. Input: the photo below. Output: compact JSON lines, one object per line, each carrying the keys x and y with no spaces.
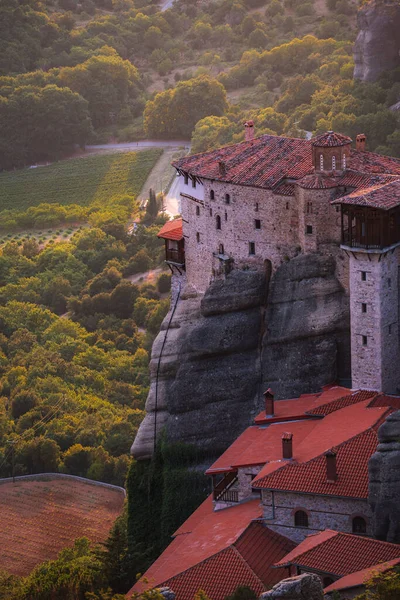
{"x":382,"y":586}
{"x":164,"y":283}
{"x":243,"y":592}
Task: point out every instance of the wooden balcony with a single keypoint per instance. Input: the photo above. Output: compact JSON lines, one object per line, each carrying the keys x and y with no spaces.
{"x":222,"y":491}
{"x":175,"y":257}
{"x":370,"y":229}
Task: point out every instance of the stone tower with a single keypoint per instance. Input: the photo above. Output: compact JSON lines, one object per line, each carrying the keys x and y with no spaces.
{"x":371,"y":238}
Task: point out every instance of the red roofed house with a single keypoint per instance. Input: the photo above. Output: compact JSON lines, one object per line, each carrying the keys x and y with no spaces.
{"x":267,"y":199}
{"x":300,"y":470}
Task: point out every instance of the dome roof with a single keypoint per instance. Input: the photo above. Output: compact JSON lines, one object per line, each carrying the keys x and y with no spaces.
{"x":330,"y":139}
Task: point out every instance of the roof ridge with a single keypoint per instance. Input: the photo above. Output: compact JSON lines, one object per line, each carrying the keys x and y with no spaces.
{"x":369,"y":539}
{"x":323,"y":540}
{"x":241,"y":557}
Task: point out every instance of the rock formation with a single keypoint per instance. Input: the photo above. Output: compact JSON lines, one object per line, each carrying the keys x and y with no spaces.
{"x":378,"y":42}
{"x":384,"y":481}
{"x":304,"y":587}
{"x":245,"y":334}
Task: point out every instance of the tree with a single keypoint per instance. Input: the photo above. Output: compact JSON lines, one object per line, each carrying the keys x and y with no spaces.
{"x":23,"y":402}
{"x":77,"y":460}
{"x":164,"y":283}
{"x":243,"y":592}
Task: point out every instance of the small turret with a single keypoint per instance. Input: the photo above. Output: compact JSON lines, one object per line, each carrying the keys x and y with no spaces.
{"x":331,"y":152}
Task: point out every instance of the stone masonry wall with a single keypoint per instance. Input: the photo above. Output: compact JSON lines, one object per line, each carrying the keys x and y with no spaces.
{"x":324,"y":512}
{"x":374,"y":308}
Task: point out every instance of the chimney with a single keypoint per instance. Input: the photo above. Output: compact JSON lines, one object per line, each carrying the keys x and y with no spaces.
{"x":287,"y":446}
{"x":361,"y":141}
{"x":269,"y":402}
{"x":222,"y":168}
{"x":249,"y":131}
{"x":331,"y":468}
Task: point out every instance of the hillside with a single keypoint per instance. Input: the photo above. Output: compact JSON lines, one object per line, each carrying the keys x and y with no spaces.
{"x":39,"y":518}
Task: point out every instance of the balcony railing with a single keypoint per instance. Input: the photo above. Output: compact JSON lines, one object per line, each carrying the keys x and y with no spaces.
{"x":223,"y":487}
{"x":229,"y":496}
{"x":175,"y":256}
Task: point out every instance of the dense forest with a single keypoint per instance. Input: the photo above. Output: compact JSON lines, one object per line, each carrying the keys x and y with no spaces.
{"x":73,"y":72}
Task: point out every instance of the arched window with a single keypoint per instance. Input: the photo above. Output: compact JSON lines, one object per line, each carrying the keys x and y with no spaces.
{"x":226,"y":216}
{"x":300,"y":518}
{"x":321,"y":162}
{"x":344,"y":162}
{"x":198,"y":211}
{"x":227,"y":199}
{"x":359,"y":525}
{"x":212,"y":195}
{"x":218,"y":222}
{"x":221,"y":249}
{"x":334,"y":163}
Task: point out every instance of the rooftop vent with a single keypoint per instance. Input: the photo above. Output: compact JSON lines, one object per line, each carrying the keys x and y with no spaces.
{"x":361,"y":142}
{"x":331,"y":467}
{"x":287,"y":446}
{"x":249,"y":131}
{"x":269,"y":402}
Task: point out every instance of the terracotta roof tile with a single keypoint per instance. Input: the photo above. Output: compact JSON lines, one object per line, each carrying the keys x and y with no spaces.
{"x":384,"y":400}
{"x":172,"y":230}
{"x":331,"y":139}
{"x":310,"y":477}
{"x":349,"y":400}
{"x":359,"y":578}
{"x":341,"y":553}
{"x":383,"y":196}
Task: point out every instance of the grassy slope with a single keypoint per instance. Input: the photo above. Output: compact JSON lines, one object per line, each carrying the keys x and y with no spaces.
{"x":78,"y":181}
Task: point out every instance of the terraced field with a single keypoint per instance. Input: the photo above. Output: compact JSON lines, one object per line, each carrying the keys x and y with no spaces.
{"x":39,"y":518}
{"x":78,"y":180}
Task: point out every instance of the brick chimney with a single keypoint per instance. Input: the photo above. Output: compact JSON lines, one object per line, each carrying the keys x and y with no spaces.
{"x":331,"y":468}
{"x":222,"y":168}
{"x":269,"y":402}
{"x":249,"y":131}
{"x":287,"y":446}
{"x":361,"y":142}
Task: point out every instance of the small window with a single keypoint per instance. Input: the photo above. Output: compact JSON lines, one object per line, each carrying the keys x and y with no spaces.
{"x":390,"y":330}
{"x":363,"y":275}
{"x":389,"y":282}
{"x":334,"y":163}
{"x":226,"y":216}
{"x":221,"y":249}
{"x":193,"y":183}
{"x":252,"y":248}
{"x":227,"y":199}
{"x":287,"y":205}
{"x":218,"y":222}
{"x":256,"y":207}
{"x":309,"y":208}
{"x":359,"y":525}
{"x":363,"y":307}
{"x":198,"y":210}
{"x":186,"y":178}
{"x":300,"y":518}
{"x":337,"y":208}
{"x":364,"y":340}
{"x":210,"y":212}
{"x":344,"y":162}
{"x":212,"y":195}
{"x":309,"y":229}
{"x":257,"y":223}
{"x":197,"y":237}
{"x":321,"y":162}
{"x":363,"y":229}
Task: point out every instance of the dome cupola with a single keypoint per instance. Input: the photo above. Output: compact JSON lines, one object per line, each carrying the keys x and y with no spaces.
{"x":331,"y":152}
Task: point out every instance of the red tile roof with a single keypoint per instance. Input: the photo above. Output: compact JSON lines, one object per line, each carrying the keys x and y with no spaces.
{"x":359,"y":578}
{"x":349,"y":400}
{"x":383,"y":196}
{"x":331,"y":139}
{"x":384,"y":400}
{"x":247,"y":562}
{"x":309,"y":477}
{"x":172,"y":230}
{"x":340,"y":553}
{"x":210,"y":532}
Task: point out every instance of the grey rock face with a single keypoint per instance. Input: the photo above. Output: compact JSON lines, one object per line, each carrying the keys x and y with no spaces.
{"x":304,"y":587}
{"x":378,"y":43}
{"x":167,"y":593}
{"x":384,"y":481}
{"x":243,"y":334}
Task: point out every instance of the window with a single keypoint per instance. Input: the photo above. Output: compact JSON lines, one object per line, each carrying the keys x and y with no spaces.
{"x":363,"y":307}
{"x":389,"y":282}
{"x":197,"y":237}
{"x":309,"y":229}
{"x":364,"y":340}
{"x":252,"y":248}
{"x":309,"y":208}
{"x":287,"y":205}
{"x":300,"y":518}
{"x":334,"y":163}
{"x":257,"y":223}
{"x":390,"y":330}
{"x":193,"y":183}
{"x":363,"y":275}
{"x":359,"y":525}
{"x":221,"y":249}
{"x":256,"y":207}
{"x":226,"y":216}
{"x":227,"y":199}
{"x":212,"y":195}
{"x":337,"y":208}
{"x":321,"y":162}
{"x":197,"y":210}
{"x":218,"y":222}
{"x":344,"y":162}
{"x":186,"y":178}
{"x":210,"y":212}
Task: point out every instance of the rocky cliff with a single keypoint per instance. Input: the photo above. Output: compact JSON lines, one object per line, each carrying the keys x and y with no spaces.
{"x":378,"y":42}
{"x":246,"y":333}
{"x":384,"y":481}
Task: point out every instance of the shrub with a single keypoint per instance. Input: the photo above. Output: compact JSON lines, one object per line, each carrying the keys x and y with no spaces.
{"x":164,"y":283}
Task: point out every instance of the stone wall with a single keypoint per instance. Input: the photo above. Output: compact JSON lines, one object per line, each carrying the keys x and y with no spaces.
{"x":374,"y":333}
{"x":324,"y":512}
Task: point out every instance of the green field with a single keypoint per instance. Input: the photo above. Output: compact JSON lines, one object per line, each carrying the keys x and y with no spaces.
{"x":78,"y":180}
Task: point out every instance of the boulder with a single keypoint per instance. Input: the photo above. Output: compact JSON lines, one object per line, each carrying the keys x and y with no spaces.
{"x":304,"y":587}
